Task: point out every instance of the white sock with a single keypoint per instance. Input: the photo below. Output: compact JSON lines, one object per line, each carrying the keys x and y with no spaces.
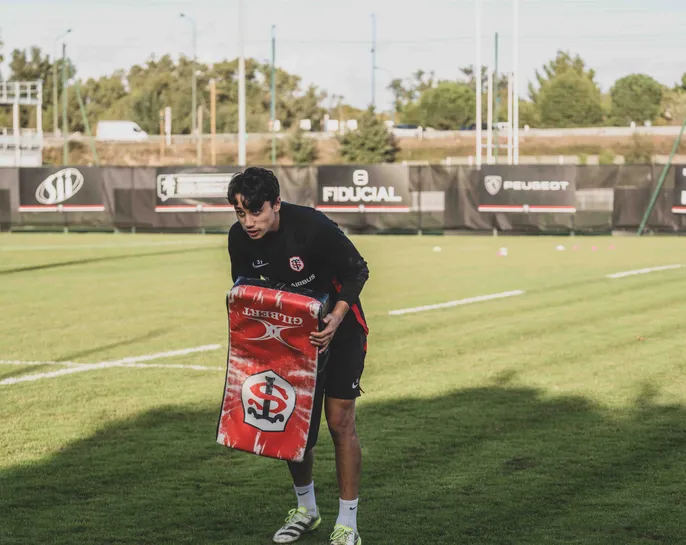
{"x":347,"y":513}
{"x":306,"y":498}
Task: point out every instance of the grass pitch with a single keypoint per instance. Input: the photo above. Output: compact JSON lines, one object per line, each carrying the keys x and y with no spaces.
{"x":557,"y":416}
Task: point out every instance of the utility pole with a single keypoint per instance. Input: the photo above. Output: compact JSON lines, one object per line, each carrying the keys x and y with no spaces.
{"x":199,"y":135}
{"x":509,"y":117}
{"x":193,"y":84}
{"x":273,"y":95}
{"x":373,"y":61}
{"x":55,"y":99}
{"x":497,"y":100}
{"x":241,"y":88}
{"x":162,"y":136}
{"x":515,"y":82}
{"x":477,"y":81}
{"x":213,"y":120}
{"x":489,"y":118}
{"x":65,"y":128}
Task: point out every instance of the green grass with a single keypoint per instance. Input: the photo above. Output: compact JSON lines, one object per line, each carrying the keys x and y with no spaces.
{"x":554,"y":417}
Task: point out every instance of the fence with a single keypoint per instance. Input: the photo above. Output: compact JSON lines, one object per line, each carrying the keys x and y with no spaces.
{"x":362,"y":199}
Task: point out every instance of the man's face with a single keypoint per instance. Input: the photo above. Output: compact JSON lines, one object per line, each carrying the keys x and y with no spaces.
{"x":257,"y":224}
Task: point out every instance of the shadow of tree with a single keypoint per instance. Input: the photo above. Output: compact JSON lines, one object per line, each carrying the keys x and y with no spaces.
{"x":124,"y":342}
{"x":89,"y":260}
{"x":22,"y":370}
{"x":492,"y":465}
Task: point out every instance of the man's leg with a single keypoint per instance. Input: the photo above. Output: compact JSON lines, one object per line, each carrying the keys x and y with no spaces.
{"x":346,"y":364}
{"x":302,"y":471}
{"x":306,"y":517}
{"x":303,"y":483}
{"x":340,"y":417}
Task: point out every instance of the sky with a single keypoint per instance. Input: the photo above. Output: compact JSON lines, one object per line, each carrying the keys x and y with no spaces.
{"x":328,"y":42}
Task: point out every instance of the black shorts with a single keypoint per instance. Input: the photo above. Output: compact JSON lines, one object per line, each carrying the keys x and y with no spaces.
{"x":345,"y":364}
{"x":341,"y":374}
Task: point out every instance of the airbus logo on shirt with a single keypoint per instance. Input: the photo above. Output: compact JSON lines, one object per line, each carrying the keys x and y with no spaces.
{"x":303,"y":282}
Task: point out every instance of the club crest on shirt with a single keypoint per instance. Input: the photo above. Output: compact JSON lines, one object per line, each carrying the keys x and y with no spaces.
{"x":296,"y":264}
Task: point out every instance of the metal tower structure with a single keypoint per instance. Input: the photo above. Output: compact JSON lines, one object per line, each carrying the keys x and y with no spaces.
{"x":21,"y":147}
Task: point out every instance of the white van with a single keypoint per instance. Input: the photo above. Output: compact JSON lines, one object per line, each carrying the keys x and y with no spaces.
{"x":120,"y":131}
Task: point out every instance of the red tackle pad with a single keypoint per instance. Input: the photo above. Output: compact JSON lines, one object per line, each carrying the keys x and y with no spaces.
{"x":272,"y":368}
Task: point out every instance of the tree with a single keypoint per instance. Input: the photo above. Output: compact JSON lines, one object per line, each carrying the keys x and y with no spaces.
{"x":561,"y":64}
{"x":407,"y":92}
{"x":567,"y":94}
{"x":570,"y":100}
{"x":409,"y":96}
{"x":448,"y":106}
{"x":681,"y":86}
{"x":673,"y":106}
{"x":371,"y":143}
{"x":636,"y":97}
{"x":640,"y":150}
{"x":499,"y":80}
{"x":279,"y":149}
{"x":102,"y":95}
{"x":4,"y":113}
{"x":144,"y":89}
{"x":401,"y":95}
{"x":528,"y":114}
{"x":140,"y":92}
{"x":302,"y":150}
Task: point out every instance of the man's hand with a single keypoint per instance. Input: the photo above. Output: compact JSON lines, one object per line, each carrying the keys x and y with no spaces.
{"x":321,"y":339}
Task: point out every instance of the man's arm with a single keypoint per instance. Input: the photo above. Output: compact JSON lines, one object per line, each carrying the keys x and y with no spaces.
{"x":341,"y":254}
{"x":335,"y":248}
{"x":240,"y":264}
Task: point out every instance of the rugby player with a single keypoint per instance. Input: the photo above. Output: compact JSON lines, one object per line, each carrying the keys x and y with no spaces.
{"x":303,"y":248}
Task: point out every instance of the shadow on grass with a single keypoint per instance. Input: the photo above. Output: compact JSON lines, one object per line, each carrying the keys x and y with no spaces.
{"x":500,"y":464}
{"x":24,"y":370}
{"x":88,"y":261}
{"x":124,"y":342}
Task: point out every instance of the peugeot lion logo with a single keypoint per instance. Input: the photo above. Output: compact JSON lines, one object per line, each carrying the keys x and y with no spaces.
{"x":493,"y":183}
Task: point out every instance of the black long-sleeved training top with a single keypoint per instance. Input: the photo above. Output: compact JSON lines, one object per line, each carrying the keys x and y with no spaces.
{"x":308,"y":251}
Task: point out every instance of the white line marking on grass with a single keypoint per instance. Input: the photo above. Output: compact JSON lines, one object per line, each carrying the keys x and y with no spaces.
{"x":459,"y":302}
{"x":125,"y":362}
{"x":643,"y":271}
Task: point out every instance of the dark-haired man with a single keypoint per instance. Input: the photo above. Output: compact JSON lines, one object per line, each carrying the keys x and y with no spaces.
{"x":300,"y":246}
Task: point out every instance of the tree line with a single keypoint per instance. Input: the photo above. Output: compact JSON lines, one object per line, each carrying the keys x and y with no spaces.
{"x":565,"y":93}
{"x":142,"y":91}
